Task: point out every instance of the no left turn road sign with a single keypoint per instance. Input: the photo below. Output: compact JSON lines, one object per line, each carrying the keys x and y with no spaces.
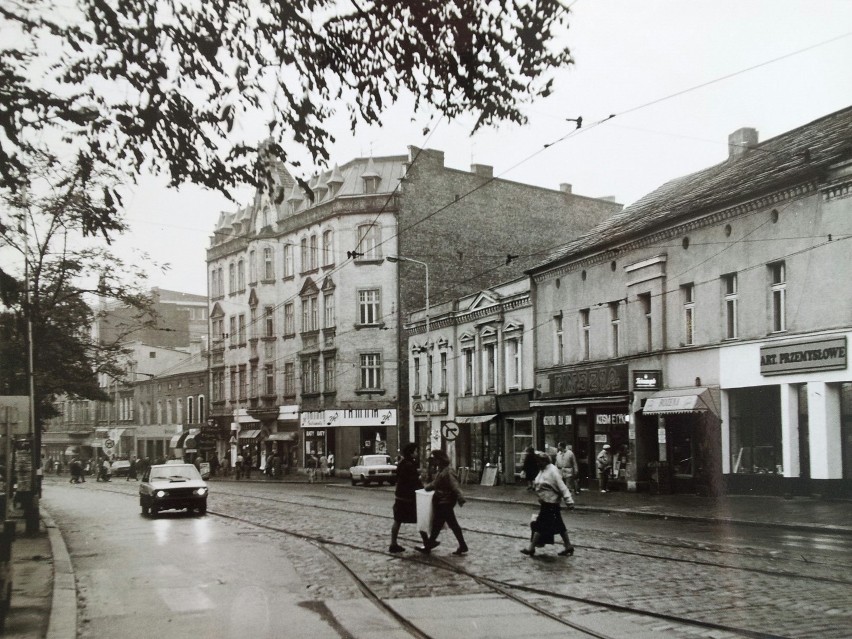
{"x":109,"y":443}
{"x":450,"y":431}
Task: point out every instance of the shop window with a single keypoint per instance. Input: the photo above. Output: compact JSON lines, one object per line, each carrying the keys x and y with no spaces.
{"x":755,"y":422}
{"x":522,"y":438}
{"x":846,"y":428}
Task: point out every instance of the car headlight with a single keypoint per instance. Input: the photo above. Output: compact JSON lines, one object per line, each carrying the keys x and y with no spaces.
{"x":160,"y":493}
{"x":201,"y":491}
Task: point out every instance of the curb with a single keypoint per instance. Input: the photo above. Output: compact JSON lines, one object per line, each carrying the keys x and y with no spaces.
{"x":63,"y":609}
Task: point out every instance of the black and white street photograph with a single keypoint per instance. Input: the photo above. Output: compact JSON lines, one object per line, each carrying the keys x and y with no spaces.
{"x":370,"y":319}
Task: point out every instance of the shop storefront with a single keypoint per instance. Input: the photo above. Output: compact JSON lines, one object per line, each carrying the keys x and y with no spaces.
{"x":688,"y":440}
{"x":588,"y":407}
{"x":348,"y":433}
{"x":283,"y":444}
{"x":479,"y":438}
{"x":429,"y":415}
{"x":788,"y":427}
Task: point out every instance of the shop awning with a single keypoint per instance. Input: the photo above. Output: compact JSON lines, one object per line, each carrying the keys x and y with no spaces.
{"x":189,"y":440}
{"x":249,"y":434}
{"x":579,"y":401}
{"x":682,"y":400}
{"x":282,"y":437}
{"x":175,"y":441}
{"x":474,"y":419}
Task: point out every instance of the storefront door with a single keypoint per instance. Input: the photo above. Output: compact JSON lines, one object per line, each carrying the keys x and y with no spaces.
{"x":522,"y":438}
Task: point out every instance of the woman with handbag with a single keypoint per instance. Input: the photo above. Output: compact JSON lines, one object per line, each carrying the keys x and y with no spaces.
{"x":551,"y":490}
{"x":447,"y":495}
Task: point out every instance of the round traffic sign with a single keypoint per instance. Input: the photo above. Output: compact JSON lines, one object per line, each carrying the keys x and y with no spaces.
{"x":109,"y":443}
{"x":450,"y":431}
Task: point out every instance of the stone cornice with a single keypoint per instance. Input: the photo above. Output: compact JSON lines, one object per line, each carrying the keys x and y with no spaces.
{"x":467,"y":317}
{"x":609,"y":254}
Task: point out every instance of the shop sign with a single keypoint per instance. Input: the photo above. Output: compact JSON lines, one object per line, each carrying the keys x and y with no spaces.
{"x":647,"y":380}
{"x":610,"y":418}
{"x":312,"y":419}
{"x":661,"y":435}
{"x":590,"y":381}
{"x":558,"y":420}
{"x":360,"y":417}
{"x":601,"y":438}
{"x":804,"y":357}
{"x":430,"y":406}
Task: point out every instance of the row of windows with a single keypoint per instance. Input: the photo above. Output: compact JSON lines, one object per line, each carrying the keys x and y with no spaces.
{"x":730,"y":295}
{"x":369,"y":313}
{"x":314,"y":252}
{"x":318,"y":375}
{"x":480,"y":368}
{"x":168,"y":412}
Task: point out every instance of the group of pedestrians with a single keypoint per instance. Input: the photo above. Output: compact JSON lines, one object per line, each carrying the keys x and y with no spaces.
{"x":441,"y":480}
{"x":550,"y":482}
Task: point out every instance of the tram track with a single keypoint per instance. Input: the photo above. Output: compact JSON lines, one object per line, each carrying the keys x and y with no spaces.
{"x":502,"y":588}
{"x":794,"y":560}
{"x":541,"y":600}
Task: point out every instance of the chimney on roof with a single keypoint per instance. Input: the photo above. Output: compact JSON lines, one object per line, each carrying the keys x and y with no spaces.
{"x":482,"y":170}
{"x":741,"y":141}
{"x":565,"y":188}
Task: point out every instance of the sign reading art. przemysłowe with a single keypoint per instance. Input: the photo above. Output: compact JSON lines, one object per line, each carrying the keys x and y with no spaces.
{"x":801,"y":357}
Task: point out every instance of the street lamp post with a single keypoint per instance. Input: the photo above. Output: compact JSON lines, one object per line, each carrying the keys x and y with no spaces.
{"x":400,"y":258}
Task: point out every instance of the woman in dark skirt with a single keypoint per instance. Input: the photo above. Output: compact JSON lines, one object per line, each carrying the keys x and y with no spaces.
{"x":405,"y":504}
{"x":551,"y":490}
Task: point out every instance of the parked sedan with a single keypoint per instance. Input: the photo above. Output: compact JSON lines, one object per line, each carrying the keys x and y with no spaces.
{"x":120,"y":468}
{"x":373,"y":468}
{"x":172,"y":486}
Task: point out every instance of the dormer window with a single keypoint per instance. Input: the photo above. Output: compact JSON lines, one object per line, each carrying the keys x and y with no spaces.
{"x":371,"y":184}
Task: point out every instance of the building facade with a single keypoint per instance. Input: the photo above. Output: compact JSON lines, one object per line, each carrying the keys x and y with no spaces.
{"x":308,"y":353}
{"x":471,"y":381}
{"x":703,"y":332}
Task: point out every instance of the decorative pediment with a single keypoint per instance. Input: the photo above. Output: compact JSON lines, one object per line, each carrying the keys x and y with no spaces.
{"x":328,"y":285}
{"x":513,"y":327}
{"x":467,"y":337}
{"x":217,"y":311}
{"x":309,"y":288}
{"x":483,"y":300}
{"x":488,"y":333}
{"x":253,"y":299}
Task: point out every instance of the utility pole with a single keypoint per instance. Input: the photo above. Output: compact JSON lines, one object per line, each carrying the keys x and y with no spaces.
{"x":31,"y":508}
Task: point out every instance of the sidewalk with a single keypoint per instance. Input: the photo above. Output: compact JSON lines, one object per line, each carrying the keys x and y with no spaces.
{"x":44,"y":602}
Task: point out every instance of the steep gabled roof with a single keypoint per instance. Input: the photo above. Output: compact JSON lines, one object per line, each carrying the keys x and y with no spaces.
{"x":789,"y":159}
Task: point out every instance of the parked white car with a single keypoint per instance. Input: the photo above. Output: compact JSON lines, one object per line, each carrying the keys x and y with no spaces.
{"x":373,"y":469}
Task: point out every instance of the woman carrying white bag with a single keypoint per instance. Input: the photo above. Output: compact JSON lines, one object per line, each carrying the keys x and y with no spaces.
{"x":447,"y":495}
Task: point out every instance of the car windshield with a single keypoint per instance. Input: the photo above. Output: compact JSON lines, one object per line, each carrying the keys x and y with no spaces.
{"x":174,"y":473}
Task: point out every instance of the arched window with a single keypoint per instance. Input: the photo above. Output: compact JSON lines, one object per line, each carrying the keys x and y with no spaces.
{"x":327,"y":250}
{"x":201,"y":416}
{"x":190,"y":410}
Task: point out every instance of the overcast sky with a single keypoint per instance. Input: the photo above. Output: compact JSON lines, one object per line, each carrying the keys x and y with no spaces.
{"x":652,"y":63}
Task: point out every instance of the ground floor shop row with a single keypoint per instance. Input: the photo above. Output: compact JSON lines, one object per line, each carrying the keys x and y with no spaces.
{"x":760,"y":428}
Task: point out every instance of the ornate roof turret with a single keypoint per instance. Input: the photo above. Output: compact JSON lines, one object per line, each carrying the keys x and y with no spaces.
{"x":335,"y":180}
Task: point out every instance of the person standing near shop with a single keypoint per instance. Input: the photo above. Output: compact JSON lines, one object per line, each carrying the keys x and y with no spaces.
{"x":568,"y":467}
{"x":447,"y":495}
{"x":604,"y":461}
{"x":405,"y":502}
{"x":238,"y":466}
{"x":530,"y":467}
{"x":551,"y":490}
